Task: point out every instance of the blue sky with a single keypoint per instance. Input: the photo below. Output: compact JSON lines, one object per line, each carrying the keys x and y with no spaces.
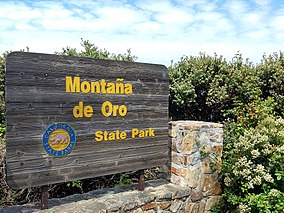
{"x":155,"y":31}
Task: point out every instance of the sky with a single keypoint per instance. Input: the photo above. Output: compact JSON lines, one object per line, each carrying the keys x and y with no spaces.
{"x":156,"y":31}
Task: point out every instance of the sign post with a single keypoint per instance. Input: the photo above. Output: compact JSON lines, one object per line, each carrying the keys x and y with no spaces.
{"x":71,"y":118}
{"x":141,"y":181}
{"x":44,"y":197}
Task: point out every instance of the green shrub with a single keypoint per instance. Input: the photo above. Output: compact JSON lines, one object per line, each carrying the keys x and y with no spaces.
{"x":2,"y":98}
{"x":253,"y":166}
{"x":271,"y":79}
{"x":89,"y":50}
{"x":190,"y":81}
{"x":212,"y":85}
{"x":249,"y":100}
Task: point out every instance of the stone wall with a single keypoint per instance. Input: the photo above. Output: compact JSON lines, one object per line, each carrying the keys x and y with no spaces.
{"x":196,"y":151}
{"x":194,"y":169}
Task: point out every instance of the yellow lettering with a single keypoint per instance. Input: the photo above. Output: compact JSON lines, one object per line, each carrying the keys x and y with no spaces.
{"x":111,"y":136}
{"x":122,"y":110}
{"x":141,"y":134}
{"x":105,"y":135}
{"x":85,"y":87}
{"x":78,"y":110}
{"x":72,"y":86}
{"x":95,"y":87}
{"x":115,"y":108}
{"x":134,"y":132}
{"x":128,"y":89}
{"x":103,"y":84}
{"x":99,"y":136}
{"x":104,"y":110}
{"x":119,"y":89}
{"x":151,"y":132}
{"x":122,"y":135}
{"x":88,"y":111}
{"x":111,"y":88}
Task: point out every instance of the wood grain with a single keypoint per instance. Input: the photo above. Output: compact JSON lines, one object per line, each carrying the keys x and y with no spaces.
{"x":36,"y":98}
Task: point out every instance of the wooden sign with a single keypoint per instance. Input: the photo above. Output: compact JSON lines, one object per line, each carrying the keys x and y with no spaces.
{"x":71,"y":118}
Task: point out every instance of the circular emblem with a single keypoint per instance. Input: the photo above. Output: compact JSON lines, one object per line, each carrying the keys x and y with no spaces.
{"x":59,"y":139}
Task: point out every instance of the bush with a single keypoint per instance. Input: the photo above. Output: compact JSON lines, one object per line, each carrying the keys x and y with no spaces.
{"x":212,"y":85}
{"x":271,"y":79}
{"x":91,"y":51}
{"x":254,"y":166}
{"x":249,"y":100}
{"x":2,"y":98}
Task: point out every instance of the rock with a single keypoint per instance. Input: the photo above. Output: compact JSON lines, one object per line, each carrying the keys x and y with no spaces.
{"x":195,"y":207}
{"x":212,"y":201}
{"x":201,"y":207}
{"x":178,"y":170}
{"x":205,"y":166}
{"x":130,"y":205}
{"x":215,"y":189}
{"x":176,"y":205}
{"x":216,"y":135}
{"x":178,"y":180}
{"x":217,"y":149}
{"x":189,"y":144}
{"x":162,"y":211}
{"x":180,"y":159}
{"x":164,"y":205}
{"x":210,"y":184}
{"x":192,"y":177}
{"x":172,"y":133}
{"x":149,"y":206}
{"x":194,"y":158}
{"x":175,"y":179}
{"x":192,"y":127}
{"x":180,"y":194}
{"x":196,"y":195}
{"x":219,"y":165}
{"x":173,"y":145}
{"x":139,"y":210}
{"x":204,"y":138}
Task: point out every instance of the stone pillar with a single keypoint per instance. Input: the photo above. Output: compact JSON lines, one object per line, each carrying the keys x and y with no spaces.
{"x":196,"y":151}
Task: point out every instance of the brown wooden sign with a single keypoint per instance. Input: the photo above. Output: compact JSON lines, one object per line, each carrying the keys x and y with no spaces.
{"x":71,"y":118}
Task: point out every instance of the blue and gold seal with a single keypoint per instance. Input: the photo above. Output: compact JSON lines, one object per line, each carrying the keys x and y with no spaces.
{"x":59,"y":139}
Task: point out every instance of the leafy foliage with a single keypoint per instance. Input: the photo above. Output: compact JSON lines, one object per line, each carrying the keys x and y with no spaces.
{"x":2,"y":97}
{"x":89,"y":50}
{"x":271,"y":79}
{"x":253,"y":165}
{"x":249,"y":100}
{"x":124,"y":179}
{"x":210,"y":84}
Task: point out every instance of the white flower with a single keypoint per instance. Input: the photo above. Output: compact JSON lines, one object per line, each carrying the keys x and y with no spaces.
{"x":257,"y":180}
{"x":274,"y":192}
{"x":243,"y":208}
{"x":255,"y":153}
{"x":259,"y":169}
{"x":267,"y":177}
{"x":227,"y":181}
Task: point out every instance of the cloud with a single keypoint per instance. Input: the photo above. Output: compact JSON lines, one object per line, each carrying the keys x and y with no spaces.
{"x":156,"y":31}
